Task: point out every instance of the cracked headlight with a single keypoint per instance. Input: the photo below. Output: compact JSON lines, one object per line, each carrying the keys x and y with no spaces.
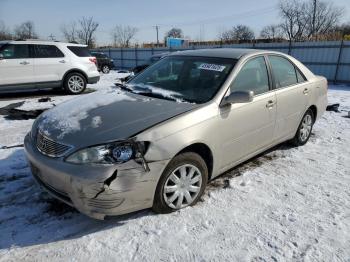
{"x":114,"y":153}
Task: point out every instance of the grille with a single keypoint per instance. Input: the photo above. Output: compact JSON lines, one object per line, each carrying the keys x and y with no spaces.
{"x":49,"y":147}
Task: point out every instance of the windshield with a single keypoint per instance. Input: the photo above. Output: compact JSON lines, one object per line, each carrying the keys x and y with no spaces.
{"x":186,"y":78}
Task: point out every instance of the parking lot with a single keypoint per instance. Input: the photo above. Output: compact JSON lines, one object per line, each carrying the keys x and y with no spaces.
{"x":287,"y":203}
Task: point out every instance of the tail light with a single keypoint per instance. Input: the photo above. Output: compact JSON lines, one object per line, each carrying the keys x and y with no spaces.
{"x":93,"y":60}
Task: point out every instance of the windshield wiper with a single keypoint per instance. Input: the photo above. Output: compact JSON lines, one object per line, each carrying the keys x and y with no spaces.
{"x":155,"y":95}
{"x":124,"y":87}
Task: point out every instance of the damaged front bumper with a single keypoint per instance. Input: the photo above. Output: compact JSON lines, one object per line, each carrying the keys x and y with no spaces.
{"x":96,"y":190}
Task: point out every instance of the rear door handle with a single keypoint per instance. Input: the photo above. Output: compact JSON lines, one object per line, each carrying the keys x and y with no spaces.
{"x":306,"y":91}
{"x":62,"y":61}
{"x":270,"y":104}
{"x":24,"y":63}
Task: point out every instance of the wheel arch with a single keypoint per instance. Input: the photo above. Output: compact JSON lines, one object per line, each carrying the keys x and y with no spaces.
{"x":313,"y":108}
{"x":75,"y":70}
{"x":203,"y":151}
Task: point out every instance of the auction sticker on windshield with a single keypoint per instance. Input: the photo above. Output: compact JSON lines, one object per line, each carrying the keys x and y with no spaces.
{"x":212,"y":67}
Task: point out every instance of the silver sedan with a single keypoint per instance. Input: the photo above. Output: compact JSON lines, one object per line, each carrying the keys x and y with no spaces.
{"x":157,"y":140}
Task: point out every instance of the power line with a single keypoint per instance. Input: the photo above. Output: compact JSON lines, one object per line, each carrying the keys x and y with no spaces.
{"x":246,"y":14}
{"x":234,"y":17}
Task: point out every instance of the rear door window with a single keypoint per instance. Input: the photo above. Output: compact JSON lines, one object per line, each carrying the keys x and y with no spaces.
{"x":47,"y":51}
{"x":300,"y":77}
{"x":284,"y":71}
{"x":12,"y":51}
{"x":80,"y":51}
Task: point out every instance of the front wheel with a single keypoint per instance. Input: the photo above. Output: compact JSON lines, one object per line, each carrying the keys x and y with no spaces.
{"x":74,"y":83}
{"x":181,"y":184}
{"x":304,"y":130}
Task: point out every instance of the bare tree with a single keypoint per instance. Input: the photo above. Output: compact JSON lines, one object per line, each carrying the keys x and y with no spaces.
{"x":122,"y":35}
{"x":239,"y":32}
{"x":82,"y":31}
{"x":321,"y":17}
{"x":344,"y":28}
{"x":308,"y":19}
{"x":293,"y":19}
{"x":4,"y":32}
{"x":339,"y":32}
{"x":26,"y":30}
{"x":174,"y":33}
{"x":86,"y":31}
{"x":69,"y":32}
{"x":226,"y":35}
{"x":271,"y":32}
{"x":243,"y":32}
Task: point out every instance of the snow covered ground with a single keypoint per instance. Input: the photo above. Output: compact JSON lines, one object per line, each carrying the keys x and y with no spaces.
{"x":287,"y":204}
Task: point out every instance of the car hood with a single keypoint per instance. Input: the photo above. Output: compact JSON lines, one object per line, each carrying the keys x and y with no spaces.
{"x":106,"y":116}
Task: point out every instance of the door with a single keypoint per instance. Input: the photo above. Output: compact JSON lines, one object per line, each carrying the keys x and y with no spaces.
{"x":16,"y":67}
{"x":50,"y":64}
{"x":291,"y":92}
{"x":248,"y":127}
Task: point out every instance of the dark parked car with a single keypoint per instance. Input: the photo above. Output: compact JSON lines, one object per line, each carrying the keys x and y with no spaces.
{"x":151,"y":60}
{"x":104,"y":62}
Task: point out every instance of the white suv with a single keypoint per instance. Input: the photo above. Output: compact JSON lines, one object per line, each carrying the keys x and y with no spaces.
{"x":34,"y":64}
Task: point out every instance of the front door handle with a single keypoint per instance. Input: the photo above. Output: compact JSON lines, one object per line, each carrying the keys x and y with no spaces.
{"x":306,"y":91}
{"x":270,"y":104}
{"x":62,"y":61}
{"x":24,"y":63}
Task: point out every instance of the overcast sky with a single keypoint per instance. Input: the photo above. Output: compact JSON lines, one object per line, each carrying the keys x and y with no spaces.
{"x":199,"y":19}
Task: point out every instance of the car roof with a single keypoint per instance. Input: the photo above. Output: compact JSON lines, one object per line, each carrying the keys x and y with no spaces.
{"x":45,"y":42}
{"x":161,"y":54}
{"x":234,"y":53}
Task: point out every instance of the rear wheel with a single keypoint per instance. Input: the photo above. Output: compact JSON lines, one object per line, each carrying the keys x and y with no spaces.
{"x":105,"y":69}
{"x":304,"y":130}
{"x":74,"y":83}
{"x":181,"y":184}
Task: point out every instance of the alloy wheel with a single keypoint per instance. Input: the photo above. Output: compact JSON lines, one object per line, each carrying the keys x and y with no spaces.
{"x":76,"y":84}
{"x":105,"y":69}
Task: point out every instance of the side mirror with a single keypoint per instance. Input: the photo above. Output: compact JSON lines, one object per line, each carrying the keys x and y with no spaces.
{"x":238,"y":97}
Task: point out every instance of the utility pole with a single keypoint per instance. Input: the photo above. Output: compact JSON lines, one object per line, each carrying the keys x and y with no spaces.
{"x":157,"y":30}
{"x":314,"y":17}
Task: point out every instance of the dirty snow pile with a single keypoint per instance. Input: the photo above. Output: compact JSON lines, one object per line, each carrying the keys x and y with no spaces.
{"x":287,"y":204}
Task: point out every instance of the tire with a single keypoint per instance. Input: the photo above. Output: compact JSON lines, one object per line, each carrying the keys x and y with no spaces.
{"x":74,"y":83}
{"x":187,"y":186}
{"x":304,"y":129}
{"x":105,"y":69}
